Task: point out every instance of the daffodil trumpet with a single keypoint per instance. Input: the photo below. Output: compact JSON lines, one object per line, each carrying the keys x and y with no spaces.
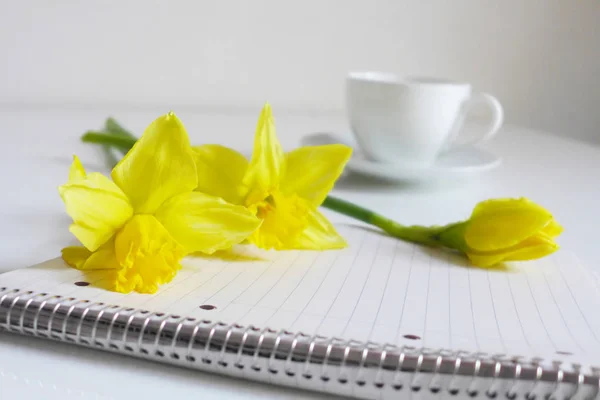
{"x":498,"y":230}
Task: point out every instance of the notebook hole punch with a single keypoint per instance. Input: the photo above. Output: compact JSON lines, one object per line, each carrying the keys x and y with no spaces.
{"x":564,"y":353}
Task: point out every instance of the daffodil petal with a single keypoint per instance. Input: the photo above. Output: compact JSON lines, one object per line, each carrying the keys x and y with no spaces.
{"x":103,"y":258}
{"x":535,"y":247}
{"x":220,"y":172}
{"x":493,"y":206}
{"x":553,"y":228}
{"x":502,"y":223}
{"x":319,"y":234}
{"x":311,"y":171}
{"x":75,"y":256}
{"x":485,"y":261}
{"x":98,"y":208}
{"x":76,"y":171}
{"x":267,"y":164}
{"x":203,"y":223}
{"x":159,"y":166}
{"x":148,"y":255}
{"x":81,"y":258}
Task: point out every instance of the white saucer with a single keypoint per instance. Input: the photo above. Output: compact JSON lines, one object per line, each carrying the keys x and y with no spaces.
{"x":456,"y":165}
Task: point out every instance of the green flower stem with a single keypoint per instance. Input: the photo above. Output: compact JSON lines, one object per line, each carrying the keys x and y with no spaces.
{"x":416,"y":234}
{"x":121,"y":142}
{"x":112,"y":126}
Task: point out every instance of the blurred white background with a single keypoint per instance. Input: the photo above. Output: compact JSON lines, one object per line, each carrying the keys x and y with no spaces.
{"x":541,"y":58}
{"x":66,"y":65}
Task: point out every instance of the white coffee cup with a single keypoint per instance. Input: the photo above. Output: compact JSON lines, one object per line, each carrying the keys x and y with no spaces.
{"x":411,"y":120}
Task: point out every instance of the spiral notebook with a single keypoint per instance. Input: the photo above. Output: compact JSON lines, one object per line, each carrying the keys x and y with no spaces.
{"x":379,"y":319}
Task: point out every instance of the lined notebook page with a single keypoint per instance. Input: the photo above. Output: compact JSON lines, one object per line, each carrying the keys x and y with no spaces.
{"x":378,"y":289}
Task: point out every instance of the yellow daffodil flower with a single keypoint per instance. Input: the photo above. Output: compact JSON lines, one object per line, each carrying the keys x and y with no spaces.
{"x":283,"y":190}
{"x":506,"y":230}
{"x":142,"y":223}
{"x":498,"y":230}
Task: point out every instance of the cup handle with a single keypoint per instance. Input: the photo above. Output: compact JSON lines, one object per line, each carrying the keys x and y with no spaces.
{"x":493,"y":126}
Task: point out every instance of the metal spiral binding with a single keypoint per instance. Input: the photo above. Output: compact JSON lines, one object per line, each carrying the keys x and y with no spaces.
{"x":314,"y":362}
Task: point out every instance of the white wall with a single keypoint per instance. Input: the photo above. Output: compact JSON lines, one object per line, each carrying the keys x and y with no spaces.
{"x":540,"y":57}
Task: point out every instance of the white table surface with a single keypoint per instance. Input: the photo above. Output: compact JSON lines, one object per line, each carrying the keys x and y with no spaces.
{"x":36,"y":150}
